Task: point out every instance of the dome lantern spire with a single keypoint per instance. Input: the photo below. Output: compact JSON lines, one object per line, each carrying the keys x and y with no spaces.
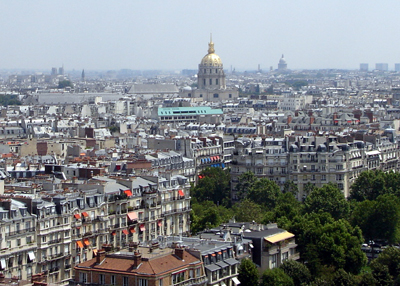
{"x":211,"y":49}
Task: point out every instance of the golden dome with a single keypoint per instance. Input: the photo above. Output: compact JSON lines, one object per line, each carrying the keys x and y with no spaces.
{"x":211,"y":59}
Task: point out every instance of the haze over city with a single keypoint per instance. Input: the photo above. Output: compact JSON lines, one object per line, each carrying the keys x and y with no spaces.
{"x":174,"y":34}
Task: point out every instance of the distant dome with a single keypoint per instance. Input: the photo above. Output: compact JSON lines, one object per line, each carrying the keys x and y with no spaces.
{"x":282,"y":60}
{"x":211,"y":59}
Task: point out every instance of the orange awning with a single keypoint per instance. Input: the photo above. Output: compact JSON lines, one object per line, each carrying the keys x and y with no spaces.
{"x":142,"y":227}
{"x":219,"y":252}
{"x":114,"y":233}
{"x":124,"y":231}
{"x":132,"y":216}
{"x":132,"y":230}
{"x":77,"y":216}
{"x":128,"y":193}
{"x":94,"y":252}
{"x":85,"y":214}
{"x":181,"y":193}
{"x":213,"y":254}
{"x":159,"y":223}
{"x":79,"y":243}
{"x":86,"y":241}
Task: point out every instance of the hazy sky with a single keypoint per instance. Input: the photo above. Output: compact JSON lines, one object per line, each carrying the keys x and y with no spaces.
{"x":172,"y":34}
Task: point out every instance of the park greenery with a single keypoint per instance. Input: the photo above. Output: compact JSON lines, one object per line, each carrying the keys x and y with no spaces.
{"x":9,"y":99}
{"x":329,"y":228}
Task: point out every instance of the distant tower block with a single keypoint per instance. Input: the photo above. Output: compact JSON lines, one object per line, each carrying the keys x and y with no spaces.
{"x":61,"y":70}
{"x":397,"y":67}
{"x":382,"y":66}
{"x":282,"y":65}
{"x":54,"y":71}
{"x":83,"y":75}
{"x":363,"y":67}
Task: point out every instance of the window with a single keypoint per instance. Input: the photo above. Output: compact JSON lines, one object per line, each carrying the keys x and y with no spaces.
{"x":230,"y":95}
{"x":285,"y":256}
{"x":204,"y":81}
{"x":216,"y":95}
{"x":198,"y":272}
{"x":102,"y":279}
{"x":82,"y":277}
{"x":112,"y":282}
{"x":210,"y":81}
{"x":142,"y":282}
{"x":216,"y":81}
{"x":339,"y":177}
{"x":178,"y":277}
{"x":125,"y":281}
{"x":274,"y":259}
{"x":323,"y":177}
{"x":201,"y":95}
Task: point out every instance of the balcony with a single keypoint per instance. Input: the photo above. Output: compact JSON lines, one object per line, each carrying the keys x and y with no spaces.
{"x":192,"y":281}
{"x":54,"y":241}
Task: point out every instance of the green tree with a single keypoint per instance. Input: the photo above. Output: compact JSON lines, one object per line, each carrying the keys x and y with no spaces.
{"x":371,"y":184}
{"x":9,"y":99}
{"x":65,"y":83}
{"x":390,"y":257}
{"x":367,"y":279}
{"x":328,"y":199}
{"x":379,"y":219}
{"x":342,"y":278}
{"x":214,"y":186}
{"x":245,"y":182}
{"x":324,"y":243}
{"x":299,"y":273}
{"x":247,"y":210}
{"x":248,"y":273}
{"x":381,"y":274}
{"x":290,"y":187}
{"x":276,"y":276}
{"x":264,"y":192}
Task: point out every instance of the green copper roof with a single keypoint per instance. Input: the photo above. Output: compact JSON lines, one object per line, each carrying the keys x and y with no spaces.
{"x":203,"y":110}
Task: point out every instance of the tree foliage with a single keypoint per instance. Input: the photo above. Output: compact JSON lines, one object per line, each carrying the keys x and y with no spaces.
{"x":214,"y":186}
{"x":379,"y":219}
{"x":276,"y":276}
{"x":65,"y":83}
{"x":299,"y":273}
{"x":371,"y":184}
{"x":9,"y":99}
{"x":328,"y":199}
{"x":248,"y":273}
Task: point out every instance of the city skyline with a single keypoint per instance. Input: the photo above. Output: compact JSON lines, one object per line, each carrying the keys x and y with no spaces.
{"x":172,"y":36}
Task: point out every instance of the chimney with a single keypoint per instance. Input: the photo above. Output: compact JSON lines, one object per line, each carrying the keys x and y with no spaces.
{"x":179,"y":252}
{"x":137,"y":259}
{"x":312,"y":120}
{"x":289,"y":119}
{"x":101,"y":254}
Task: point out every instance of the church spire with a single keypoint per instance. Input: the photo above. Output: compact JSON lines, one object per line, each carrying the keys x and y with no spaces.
{"x":211,"y":49}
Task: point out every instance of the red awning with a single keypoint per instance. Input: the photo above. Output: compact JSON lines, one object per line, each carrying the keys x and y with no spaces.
{"x":124,"y":231}
{"x":86,"y":241}
{"x":132,"y":230}
{"x":219,"y":252}
{"x":114,"y":233}
{"x":85,"y":214}
{"x":79,"y":243}
{"x":94,"y":252}
{"x":132,"y":215}
{"x":128,"y":193}
{"x":77,"y":216}
{"x":159,"y":223}
{"x":181,"y":193}
{"x":142,"y":227}
{"x":213,"y":254}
